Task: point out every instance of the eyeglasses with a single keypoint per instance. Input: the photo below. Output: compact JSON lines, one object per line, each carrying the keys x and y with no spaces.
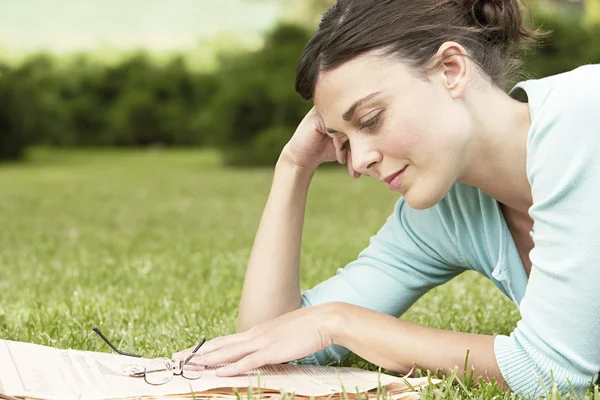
{"x":158,"y":371}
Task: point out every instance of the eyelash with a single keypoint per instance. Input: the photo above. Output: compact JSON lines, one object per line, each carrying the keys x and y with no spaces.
{"x":369,"y":124}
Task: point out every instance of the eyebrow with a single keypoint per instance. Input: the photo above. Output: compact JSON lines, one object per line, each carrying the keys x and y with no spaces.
{"x":349,"y":114}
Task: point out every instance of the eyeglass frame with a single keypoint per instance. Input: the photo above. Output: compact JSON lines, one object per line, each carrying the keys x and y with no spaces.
{"x":177,"y":368}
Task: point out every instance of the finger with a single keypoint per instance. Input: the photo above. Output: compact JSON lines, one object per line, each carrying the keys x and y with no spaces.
{"x":343,"y":156}
{"x":221,"y":342}
{"x":252,"y":361}
{"x":351,"y":170}
{"x":212,"y":345}
{"x":339,"y":154}
{"x":229,"y":354}
{"x":182,"y":354}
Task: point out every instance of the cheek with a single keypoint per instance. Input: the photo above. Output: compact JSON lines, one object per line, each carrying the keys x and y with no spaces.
{"x":405,"y":137}
{"x":425,"y":134}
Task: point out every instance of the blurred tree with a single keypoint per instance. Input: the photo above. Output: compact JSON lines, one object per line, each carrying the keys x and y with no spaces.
{"x":569,"y":45}
{"x":79,"y":89}
{"x":12,"y":121}
{"x":257,"y":93}
{"x":153,"y":105}
{"x":38,"y":83}
{"x":30,"y":108}
{"x":134,"y":121}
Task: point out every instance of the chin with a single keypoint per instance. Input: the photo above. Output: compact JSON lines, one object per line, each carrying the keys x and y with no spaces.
{"x":422,"y":200}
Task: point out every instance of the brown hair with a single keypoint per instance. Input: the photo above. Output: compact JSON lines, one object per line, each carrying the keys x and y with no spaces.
{"x":492,"y":32}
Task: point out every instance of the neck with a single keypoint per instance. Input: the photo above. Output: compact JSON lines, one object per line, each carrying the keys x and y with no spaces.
{"x":496,"y":163}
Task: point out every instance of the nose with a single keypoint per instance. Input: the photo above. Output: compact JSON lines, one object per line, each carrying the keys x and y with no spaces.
{"x":364,"y":158}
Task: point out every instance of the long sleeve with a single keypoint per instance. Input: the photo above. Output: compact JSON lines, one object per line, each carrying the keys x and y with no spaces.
{"x":413,"y":252}
{"x":559,"y":333}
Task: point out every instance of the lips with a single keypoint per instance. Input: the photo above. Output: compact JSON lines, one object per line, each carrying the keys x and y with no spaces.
{"x":394,"y":180}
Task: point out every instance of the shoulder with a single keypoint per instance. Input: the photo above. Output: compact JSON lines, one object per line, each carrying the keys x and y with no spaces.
{"x":565,"y":106}
{"x":577,"y":81}
{"x":564,"y":137}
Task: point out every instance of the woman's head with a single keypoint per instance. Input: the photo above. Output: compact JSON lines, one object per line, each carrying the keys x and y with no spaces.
{"x":492,"y":31}
{"x":413,"y":60}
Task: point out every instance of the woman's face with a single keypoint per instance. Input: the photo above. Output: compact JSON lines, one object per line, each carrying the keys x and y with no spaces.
{"x":403,"y":123}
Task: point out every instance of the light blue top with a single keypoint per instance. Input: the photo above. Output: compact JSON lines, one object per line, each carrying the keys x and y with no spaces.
{"x":417,"y":250}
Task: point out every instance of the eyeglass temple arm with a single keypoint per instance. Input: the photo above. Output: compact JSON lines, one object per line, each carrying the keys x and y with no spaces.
{"x":194,"y":351}
{"x":95,"y":329}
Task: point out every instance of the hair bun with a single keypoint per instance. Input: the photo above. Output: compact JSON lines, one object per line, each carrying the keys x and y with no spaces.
{"x":502,"y":19}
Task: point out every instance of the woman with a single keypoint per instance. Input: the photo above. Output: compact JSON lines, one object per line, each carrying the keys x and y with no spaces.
{"x":409,"y":92}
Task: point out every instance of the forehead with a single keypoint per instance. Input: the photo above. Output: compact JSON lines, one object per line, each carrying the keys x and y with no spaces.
{"x":337,"y":89}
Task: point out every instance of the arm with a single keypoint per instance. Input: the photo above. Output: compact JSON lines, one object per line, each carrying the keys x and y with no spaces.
{"x":377,"y":337}
{"x":413,"y":252}
{"x":395,"y":344}
{"x":276,"y":250}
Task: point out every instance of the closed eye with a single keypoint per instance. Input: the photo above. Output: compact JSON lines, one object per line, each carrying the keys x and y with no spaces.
{"x":370,"y":123}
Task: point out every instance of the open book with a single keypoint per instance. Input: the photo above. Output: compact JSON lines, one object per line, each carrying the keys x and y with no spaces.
{"x":40,"y":372}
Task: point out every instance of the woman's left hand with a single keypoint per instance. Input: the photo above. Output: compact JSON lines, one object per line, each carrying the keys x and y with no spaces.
{"x":289,"y":337}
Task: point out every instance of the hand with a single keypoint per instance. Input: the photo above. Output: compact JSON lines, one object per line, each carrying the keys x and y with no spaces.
{"x":289,"y":337}
{"x":311,"y":146}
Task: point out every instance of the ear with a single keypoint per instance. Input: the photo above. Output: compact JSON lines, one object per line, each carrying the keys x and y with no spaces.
{"x":452,"y":60}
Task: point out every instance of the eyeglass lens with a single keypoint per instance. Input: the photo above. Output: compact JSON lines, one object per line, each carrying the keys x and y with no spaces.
{"x":194,"y":367}
{"x":159,"y":372}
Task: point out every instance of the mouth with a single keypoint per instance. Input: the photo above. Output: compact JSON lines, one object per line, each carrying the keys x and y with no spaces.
{"x":394,"y":180}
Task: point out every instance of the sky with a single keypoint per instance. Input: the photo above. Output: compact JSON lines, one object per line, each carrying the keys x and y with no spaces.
{"x":73,"y":25}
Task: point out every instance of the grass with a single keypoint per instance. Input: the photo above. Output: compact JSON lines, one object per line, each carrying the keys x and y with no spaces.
{"x":151,"y":246}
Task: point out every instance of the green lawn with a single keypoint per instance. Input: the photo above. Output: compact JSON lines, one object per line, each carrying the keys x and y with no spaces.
{"x":151,"y":246}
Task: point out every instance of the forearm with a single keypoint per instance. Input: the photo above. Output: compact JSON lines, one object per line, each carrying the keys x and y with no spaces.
{"x":397,"y":345}
{"x":272,"y":282}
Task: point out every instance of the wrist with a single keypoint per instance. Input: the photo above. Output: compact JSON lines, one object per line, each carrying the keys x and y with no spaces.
{"x":287,"y":158}
{"x":335,"y":321}
{"x":286,"y":164}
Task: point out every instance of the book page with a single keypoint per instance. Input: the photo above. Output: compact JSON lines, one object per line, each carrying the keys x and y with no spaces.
{"x":303,"y":380}
{"x":31,"y":370}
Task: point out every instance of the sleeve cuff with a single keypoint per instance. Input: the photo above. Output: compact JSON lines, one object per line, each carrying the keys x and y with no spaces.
{"x":529,"y":372}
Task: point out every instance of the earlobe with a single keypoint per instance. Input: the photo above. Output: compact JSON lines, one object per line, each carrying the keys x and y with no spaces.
{"x":453,"y":64}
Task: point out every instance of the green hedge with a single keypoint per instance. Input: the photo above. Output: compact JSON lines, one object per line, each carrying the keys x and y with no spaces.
{"x":248,"y":108}
{"x":569,"y":45}
{"x":257,"y":98}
